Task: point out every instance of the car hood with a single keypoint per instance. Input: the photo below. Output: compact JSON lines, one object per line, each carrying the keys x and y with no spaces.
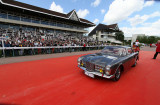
{"x":99,"y":59}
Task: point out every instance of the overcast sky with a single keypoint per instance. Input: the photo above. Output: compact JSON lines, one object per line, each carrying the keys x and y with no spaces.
{"x":132,"y":16}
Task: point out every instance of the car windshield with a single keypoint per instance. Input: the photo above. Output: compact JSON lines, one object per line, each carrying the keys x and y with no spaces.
{"x":118,"y":51}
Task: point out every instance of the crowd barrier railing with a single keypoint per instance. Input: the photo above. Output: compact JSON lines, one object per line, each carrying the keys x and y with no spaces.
{"x":23,"y":51}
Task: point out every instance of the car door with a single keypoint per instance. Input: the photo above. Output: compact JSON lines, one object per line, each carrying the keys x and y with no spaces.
{"x":126,"y":60}
{"x":131,"y":57}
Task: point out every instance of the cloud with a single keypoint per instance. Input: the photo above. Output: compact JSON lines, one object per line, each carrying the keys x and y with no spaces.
{"x":103,"y":11}
{"x":141,"y":19}
{"x":56,"y":8}
{"x":95,"y":21}
{"x":90,"y":29}
{"x":82,"y":13}
{"x":148,"y":29}
{"x":95,"y":3}
{"x":148,"y":3}
{"x":121,"y":9}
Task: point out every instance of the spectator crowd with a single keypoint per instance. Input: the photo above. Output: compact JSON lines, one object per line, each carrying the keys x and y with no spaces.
{"x":42,"y":38}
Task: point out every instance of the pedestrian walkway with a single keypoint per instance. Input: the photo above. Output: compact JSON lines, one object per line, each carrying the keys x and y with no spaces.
{"x":39,"y":57}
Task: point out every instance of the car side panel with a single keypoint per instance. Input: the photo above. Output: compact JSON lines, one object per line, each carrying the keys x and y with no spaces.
{"x":131,"y":59}
{"x":125,"y":61}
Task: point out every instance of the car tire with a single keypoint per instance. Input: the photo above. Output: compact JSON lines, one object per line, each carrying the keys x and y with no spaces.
{"x":117,"y":75}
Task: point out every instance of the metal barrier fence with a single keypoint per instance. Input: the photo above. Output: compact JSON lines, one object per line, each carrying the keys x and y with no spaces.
{"x":23,"y":51}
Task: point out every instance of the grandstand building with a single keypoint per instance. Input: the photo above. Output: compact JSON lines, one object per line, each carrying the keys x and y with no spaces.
{"x":28,"y":21}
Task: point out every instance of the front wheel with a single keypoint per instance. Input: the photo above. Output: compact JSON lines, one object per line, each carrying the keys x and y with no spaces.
{"x":117,"y":75}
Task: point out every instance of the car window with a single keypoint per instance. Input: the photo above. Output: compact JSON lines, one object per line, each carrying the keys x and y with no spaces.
{"x":119,"y":51}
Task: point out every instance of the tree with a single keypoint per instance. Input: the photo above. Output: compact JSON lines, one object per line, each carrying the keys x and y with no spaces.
{"x":120,"y":36}
{"x":147,"y":39}
{"x":142,"y":39}
{"x":151,"y":39}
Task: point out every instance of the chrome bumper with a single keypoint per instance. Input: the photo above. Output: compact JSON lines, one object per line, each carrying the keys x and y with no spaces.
{"x":98,"y":74}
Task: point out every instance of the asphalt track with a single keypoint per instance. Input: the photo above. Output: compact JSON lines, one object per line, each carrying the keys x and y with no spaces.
{"x":58,"y":81}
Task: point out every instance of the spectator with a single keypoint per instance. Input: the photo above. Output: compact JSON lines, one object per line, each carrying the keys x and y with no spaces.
{"x":7,"y":44}
{"x":157,"y":49}
{"x":150,"y":44}
{"x":84,"y":47}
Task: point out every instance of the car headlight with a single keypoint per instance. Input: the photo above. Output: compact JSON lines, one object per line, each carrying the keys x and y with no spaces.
{"x":79,"y":60}
{"x":108,"y":69}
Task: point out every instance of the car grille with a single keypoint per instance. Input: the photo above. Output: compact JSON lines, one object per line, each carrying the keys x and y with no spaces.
{"x":90,"y":66}
{"x":97,"y":68}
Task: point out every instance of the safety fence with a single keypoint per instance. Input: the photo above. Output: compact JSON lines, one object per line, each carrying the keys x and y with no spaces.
{"x":24,"y":51}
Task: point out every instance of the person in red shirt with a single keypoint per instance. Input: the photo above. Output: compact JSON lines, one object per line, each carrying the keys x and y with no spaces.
{"x":135,"y":48}
{"x":84,"y":47}
{"x":150,"y":45}
{"x":157,"y":49}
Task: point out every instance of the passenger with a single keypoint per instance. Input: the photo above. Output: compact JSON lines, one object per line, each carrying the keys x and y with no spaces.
{"x":137,"y":49}
{"x":134,"y":46}
{"x":157,"y":49}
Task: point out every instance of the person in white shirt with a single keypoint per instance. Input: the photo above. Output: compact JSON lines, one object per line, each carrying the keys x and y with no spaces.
{"x":136,"y":43}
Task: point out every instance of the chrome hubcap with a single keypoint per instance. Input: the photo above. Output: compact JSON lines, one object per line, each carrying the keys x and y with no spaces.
{"x":118,"y":73}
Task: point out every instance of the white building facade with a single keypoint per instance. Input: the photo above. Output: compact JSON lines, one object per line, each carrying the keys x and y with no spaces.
{"x":134,"y":37}
{"x":105,"y":33}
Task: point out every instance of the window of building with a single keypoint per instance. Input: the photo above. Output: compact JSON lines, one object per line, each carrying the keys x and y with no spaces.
{"x":45,"y":22}
{"x":102,"y":36}
{"x":53,"y":23}
{"x":13,"y":17}
{"x":4,"y":25}
{"x":35,"y":20}
{"x":59,"y":24}
{"x":3,"y":14}
{"x":25,"y":19}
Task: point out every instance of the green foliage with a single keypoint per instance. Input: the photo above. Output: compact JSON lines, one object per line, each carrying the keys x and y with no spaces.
{"x":148,"y":39}
{"x":127,"y":42}
{"x":120,"y":36}
{"x":142,"y":39}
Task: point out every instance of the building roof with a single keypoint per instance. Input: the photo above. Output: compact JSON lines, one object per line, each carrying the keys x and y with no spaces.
{"x":108,"y":28}
{"x":70,"y":13}
{"x":29,"y":7}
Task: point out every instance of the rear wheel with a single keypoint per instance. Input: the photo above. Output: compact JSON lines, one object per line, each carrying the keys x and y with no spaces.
{"x":117,"y":75}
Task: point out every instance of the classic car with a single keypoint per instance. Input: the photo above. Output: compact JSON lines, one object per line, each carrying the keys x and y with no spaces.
{"x":109,"y":63}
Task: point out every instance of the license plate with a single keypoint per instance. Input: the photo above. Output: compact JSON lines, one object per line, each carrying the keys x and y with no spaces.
{"x":89,"y":74}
